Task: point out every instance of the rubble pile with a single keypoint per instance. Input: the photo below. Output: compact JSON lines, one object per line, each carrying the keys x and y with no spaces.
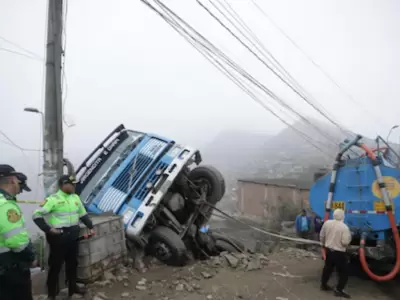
{"x":239,"y":261}
{"x":186,"y":279}
{"x":300,"y":253}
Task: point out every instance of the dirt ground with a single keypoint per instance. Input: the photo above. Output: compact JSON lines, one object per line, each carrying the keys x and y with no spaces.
{"x":291,"y":274}
{"x":287,"y":273}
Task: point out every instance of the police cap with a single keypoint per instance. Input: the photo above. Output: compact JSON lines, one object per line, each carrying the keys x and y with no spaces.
{"x":8,"y":171}
{"x":67,"y":179}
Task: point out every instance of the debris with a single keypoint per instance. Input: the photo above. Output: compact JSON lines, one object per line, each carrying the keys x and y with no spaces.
{"x":126,"y":295}
{"x":100,"y":296}
{"x":142,"y":281}
{"x":206,"y":275}
{"x":102,"y":283}
{"x":233,"y":261}
{"x":141,"y":287}
{"x":109,"y":276}
{"x":179,"y":287}
{"x":254,"y":264}
{"x":281,"y":298}
{"x":209,"y":297}
{"x":287,"y":274}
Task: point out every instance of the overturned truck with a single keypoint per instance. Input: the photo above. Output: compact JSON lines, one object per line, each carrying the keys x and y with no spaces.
{"x":164,"y":194}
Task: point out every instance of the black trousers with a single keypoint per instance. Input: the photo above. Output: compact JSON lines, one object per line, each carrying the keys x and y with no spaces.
{"x":16,"y":284}
{"x":63,"y":248}
{"x":338,"y":260}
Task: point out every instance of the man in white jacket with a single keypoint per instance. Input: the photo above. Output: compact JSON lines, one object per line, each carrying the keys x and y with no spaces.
{"x":335,"y":237}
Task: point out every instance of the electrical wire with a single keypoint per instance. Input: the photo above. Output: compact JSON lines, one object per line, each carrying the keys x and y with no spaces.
{"x":299,"y":93}
{"x":20,"y":54}
{"x":318,"y":66}
{"x":240,"y":71}
{"x":64,"y":83}
{"x":31,"y":53}
{"x":209,"y":47}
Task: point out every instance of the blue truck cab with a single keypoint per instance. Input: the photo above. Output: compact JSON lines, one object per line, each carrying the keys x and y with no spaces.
{"x":153,"y":183}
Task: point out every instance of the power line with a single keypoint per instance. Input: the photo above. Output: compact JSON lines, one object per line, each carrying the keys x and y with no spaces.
{"x":329,"y":138}
{"x":63,"y":75}
{"x":20,"y":54}
{"x":12,"y":143}
{"x":327,"y":75}
{"x":212,"y":49}
{"x":301,"y":95}
{"x":31,"y":53}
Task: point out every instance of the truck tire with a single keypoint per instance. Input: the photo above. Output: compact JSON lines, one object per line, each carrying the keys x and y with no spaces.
{"x":231,"y":244}
{"x":223,"y":246}
{"x":167,"y":246}
{"x":214,"y":180}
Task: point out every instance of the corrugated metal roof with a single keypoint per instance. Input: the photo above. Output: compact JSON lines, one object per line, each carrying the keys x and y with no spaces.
{"x":285,"y":182}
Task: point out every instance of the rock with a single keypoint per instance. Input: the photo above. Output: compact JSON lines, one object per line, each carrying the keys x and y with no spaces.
{"x":141,"y":287}
{"x":209,"y":297}
{"x":206,"y":275}
{"x":196,"y":286}
{"x":179,"y":287}
{"x":254,"y":264}
{"x":102,"y":283}
{"x":121,"y":278}
{"x":40,"y":297}
{"x":142,"y":281}
{"x":188,"y":287}
{"x":126,"y":284}
{"x":126,"y":295}
{"x":109,"y":276}
{"x":281,"y":298}
{"x":233,"y":261}
{"x":101,"y":295}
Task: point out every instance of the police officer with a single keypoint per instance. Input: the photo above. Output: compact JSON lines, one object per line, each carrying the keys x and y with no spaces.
{"x":64,"y":209}
{"x":16,"y":251}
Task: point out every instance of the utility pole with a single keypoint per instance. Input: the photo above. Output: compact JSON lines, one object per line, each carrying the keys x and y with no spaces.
{"x":53,"y":131}
{"x":53,"y":143}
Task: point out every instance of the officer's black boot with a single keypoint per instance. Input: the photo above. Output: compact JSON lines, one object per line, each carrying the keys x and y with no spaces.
{"x":341,"y":294}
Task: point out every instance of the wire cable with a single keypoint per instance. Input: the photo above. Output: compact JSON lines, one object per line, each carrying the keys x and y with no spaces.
{"x":329,"y":138}
{"x":271,"y":69}
{"x":212,"y":50}
{"x":31,"y":53}
{"x":20,"y":54}
{"x":318,"y":66}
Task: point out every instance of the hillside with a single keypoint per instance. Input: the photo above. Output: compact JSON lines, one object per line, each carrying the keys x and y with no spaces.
{"x":284,"y":155}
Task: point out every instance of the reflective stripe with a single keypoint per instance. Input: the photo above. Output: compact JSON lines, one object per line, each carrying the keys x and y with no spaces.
{"x":39,"y":213}
{"x":13,"y":232}
{"x":20,"y":248}
{"x":82,"y":215}
{"x":63,"y":214}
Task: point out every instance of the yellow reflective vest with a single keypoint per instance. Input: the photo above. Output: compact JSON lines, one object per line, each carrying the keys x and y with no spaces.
{"x":61,"y":209}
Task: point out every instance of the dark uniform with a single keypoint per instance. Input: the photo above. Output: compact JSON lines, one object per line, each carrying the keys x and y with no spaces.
{"x":64,"y":211}
{"x":16,"y":251}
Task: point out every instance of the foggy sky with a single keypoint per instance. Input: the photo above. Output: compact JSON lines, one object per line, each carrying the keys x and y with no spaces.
{"x":126,"y":65}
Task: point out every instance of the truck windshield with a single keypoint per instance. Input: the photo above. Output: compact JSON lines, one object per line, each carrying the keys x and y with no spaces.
{"x":102,"y":167}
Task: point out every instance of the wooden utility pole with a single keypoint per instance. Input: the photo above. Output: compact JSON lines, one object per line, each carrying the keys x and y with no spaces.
{"x":53,"y":131}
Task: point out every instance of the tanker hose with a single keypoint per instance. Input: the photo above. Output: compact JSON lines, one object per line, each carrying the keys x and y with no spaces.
{"x":396,"y":267}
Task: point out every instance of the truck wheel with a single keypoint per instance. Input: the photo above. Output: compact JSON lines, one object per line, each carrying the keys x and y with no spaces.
{"x":213,"y":180}
{"x":224,"y":243}
{"x":167,"y":246}
{"x":223,"y":246}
